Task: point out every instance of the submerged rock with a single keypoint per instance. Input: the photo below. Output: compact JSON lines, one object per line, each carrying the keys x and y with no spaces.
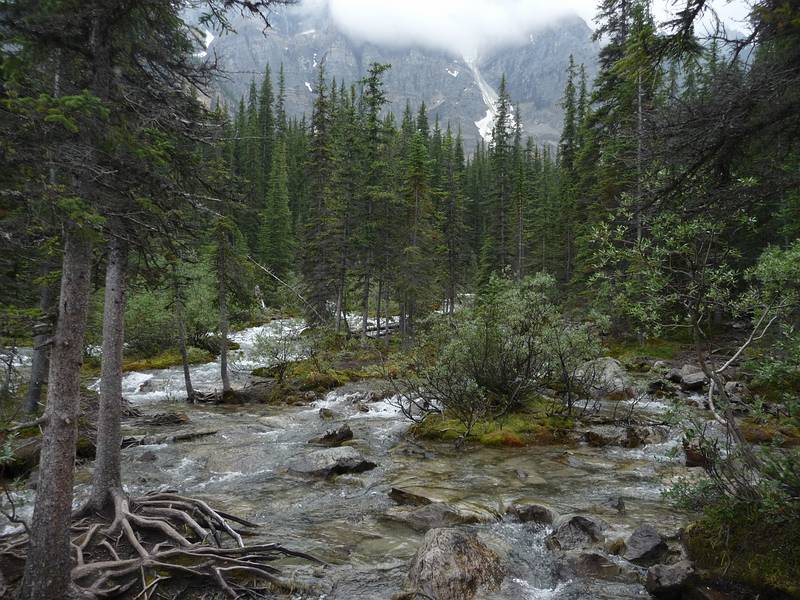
{"x":331,"y":461}
{"x":454,"y":565}
{"x":435,"y":515}
{"x":572,"y":532}
{"x":406,"y":498}
{"x":645,"y":546}
{"x":334,"y":437}
{"x":593,"y":565}
{"x":670,"y":581}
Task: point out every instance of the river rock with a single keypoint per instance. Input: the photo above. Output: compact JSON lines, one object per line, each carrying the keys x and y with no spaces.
{"x":670,"y":581}
{"x":606,"y":377}
{"x":571,"y":532}
{"x":616,"y":503}
{"x":592,"y":565}
{"x":326,"y":414}
{"x":148,"y":456}
{"x":533,"y":513}
{"x":405,"y":498}
{"x":694,"y":382}
{"x":334,"y":437}
{"x":454,"y":565}
{"x":435,"y":515}
{"x":645,"y":546}
{"x":603,"y":435}
{"x":660,"y":365}
{"x":331,"y":461}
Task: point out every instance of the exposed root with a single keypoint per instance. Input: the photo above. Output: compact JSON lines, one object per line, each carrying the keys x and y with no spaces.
{"x":152,"y":539}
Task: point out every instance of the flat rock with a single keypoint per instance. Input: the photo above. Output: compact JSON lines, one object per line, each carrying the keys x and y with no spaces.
{"x":330,"y":462}
{"x":645,"y":546}
{"x":432,"y":516}
{"x":572,"y":532}
{"x":452,"y":564}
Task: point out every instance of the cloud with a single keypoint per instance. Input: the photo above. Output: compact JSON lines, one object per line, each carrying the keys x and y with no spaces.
{"x":463,"y":27}
{"x":469,"y":27}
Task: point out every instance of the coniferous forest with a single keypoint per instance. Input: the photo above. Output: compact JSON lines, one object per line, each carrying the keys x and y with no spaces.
{"x":251,"y":354}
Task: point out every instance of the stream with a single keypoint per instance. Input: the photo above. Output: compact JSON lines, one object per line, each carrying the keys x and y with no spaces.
{"x":242,"y":469}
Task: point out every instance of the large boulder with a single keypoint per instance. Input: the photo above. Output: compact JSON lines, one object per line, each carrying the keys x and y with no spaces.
{"x":645,"y":546}
{"x":454,"y":565}
{"x":573,"y":532}
{"x":330,"y":462}
{"x":606,"y":377}
{"x":670,"y":581}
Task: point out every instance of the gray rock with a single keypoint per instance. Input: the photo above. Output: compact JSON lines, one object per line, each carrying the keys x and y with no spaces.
{"x":571,"y":532}
{"x":533,"y":513}
{"x":615,"y":503}
{"x":603,"y":435}
{"x":148,"y":456}
{"x":669,"y":581}
{"x":454,"y":565}
{"x":694,"y":381}
{"x":331,"y":461}
{"x":645,"y":546}
{"x":326,"y":414}
{"x":660,"y":365}
{"x":606,"y":377}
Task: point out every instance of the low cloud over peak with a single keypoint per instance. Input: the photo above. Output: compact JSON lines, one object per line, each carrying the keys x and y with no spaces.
{"x":462,"y":27}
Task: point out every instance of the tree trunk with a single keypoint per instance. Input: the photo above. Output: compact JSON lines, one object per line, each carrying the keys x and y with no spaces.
{"x":49,"y":563}
{"x":107,"y":471}
{"x":42,"y":330}
{"x":223,"y":334}
{"x":187,"y":376}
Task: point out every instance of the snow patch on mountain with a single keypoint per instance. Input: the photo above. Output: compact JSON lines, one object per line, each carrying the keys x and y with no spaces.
{"x":490,"y":98}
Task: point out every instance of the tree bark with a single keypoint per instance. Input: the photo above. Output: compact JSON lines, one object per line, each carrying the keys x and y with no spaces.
{"x":48,"y":565}
{"x":179,"y":317}
{"x":43,"y":329}
{"x":223,"y":322}
{"x":107,"y":471}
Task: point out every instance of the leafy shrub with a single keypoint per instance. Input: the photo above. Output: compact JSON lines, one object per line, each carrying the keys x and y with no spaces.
{"x":487,"y":360}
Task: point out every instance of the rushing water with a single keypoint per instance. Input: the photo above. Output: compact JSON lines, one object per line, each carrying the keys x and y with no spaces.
{"x":242,"y":469}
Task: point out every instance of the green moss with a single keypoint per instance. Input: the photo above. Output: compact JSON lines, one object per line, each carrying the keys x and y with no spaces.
{"x":524,"y":428}
{"x":773,"y":432}
{"x":746,"y":548}
{"x":634,"y":355}
{"x":167,"y":359}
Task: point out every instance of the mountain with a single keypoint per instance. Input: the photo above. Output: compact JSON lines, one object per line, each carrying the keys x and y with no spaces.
{"x":456,"y":89}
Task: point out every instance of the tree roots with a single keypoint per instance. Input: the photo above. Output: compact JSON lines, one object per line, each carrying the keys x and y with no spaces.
{"x":161,"y":536}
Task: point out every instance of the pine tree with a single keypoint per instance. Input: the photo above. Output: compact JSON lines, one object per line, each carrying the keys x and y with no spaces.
{"x":276,"y":225}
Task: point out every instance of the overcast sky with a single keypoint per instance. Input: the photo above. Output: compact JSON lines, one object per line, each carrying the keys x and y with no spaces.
{"x":466,"y":27}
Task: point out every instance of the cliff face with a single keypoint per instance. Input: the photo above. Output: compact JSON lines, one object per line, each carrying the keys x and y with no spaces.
{"x":457,"y":90}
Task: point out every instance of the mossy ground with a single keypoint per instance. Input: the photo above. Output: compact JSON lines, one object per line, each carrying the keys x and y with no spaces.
{"x":162,"y":360}
{"x":783,"y":433}
{"x":529,"y":426}
{"x":636,"y":356}
{"x":742,"y":546}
